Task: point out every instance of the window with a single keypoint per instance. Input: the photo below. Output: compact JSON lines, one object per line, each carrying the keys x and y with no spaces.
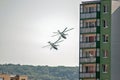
{"x":89,"y":69}
{"x":105,"y":53}
{"x":97,"y":67}
{"x":86,"y":9}
{"x":86,"y":24}
{"x":105,"y":38}
{"x":84,"y":69}
{"x":105,"y":8}
{"x":98,"y":37}
{"x":105,"y":68}
{"x":91,"y":38}
{"x":105,"y":24}
{"x":84,"y":53}
{"x":91,"y":53}
{"x":87,"y":39}
{"x":80,"y":67}
{"x":81,"y":38}
{"x":98,"y":22}
{"x":81,"y":8}
{"x":98,"y":7}
{"x":1,"y":78}
{"x":87,"y":53}
{"x":80,"y":52}
{"x":91,"y":24}
{"x":98,"y":52}
{"x":92,"y":9}
{"x":81,"y":23}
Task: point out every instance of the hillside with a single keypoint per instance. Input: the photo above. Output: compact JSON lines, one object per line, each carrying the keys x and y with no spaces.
{"x":41,"y":72}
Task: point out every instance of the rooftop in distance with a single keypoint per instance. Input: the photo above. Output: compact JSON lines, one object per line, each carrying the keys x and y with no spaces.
{"x":90,"y":1}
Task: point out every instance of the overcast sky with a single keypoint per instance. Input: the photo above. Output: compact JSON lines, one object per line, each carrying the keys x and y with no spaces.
{"x":27,"y":25}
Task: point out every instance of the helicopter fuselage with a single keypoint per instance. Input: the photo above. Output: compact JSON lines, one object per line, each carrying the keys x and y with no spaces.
{"x":53,"y":45}
{"x":62,"y":34}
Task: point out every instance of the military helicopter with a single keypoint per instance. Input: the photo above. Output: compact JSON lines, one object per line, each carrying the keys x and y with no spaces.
{"x":53,"y":45}
{"x":62,"y":34}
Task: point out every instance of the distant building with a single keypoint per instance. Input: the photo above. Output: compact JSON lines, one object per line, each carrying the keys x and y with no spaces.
{"x":4,"y":77}
{"x":13,"y":77}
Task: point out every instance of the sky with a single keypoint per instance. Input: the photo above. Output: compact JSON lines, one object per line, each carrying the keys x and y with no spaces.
{"x":27,"y":25}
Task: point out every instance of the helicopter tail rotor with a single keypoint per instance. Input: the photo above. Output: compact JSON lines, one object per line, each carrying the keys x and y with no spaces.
{"x":60,"y":41}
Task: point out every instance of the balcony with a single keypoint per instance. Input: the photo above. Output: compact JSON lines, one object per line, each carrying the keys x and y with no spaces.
{"x":87,"y":60}
{"x":87,"y":75}
{"x":87,"y":45}
{"x":90,"y":15}
{"x":87,"y":30}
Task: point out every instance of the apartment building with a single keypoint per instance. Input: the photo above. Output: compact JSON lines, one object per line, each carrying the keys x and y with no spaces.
{"x":95,"y":40}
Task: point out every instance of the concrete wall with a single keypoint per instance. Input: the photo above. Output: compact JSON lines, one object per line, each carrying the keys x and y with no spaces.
{"x":115,"y":45}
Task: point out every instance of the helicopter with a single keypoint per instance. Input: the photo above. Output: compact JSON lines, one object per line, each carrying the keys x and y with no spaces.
{"x":62,"y":34}
{"x":53,"y":45}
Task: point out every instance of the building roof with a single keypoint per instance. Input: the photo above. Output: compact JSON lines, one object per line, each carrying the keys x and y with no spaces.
{"x":92,"y":1}
{"x":115,"y":5}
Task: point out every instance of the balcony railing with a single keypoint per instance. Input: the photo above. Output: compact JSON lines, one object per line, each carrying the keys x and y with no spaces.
{"x":87,"y":30}
{"x":88,"y":15}
{"x":87,"y":45}
{"x":86,"y":60}
{"x":87,"y":75}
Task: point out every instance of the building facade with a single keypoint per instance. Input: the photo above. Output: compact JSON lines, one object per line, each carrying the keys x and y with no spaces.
{"x":4,"y":77}
{"x":95,"y":40}
{"x":13,"y":77}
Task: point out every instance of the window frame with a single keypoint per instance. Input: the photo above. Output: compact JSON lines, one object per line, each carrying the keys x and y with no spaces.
{"x":104,"y":68}
{"x":105,"y":23}
{"x":105,"y":53}
{"x":105,"y":38}
{"x":105,"y":8}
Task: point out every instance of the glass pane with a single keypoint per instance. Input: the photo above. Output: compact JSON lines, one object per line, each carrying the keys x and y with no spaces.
{"x":98,"y":7}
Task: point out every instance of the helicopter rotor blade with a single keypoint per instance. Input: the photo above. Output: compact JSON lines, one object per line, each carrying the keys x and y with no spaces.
{"x":55,"y":32}
{"x":64,"y":29}
{"x":65,"y":34}
{"x":57,"y":45}
{"x":45,"y":46}
{"x":54,"y":35}
{"x":69,"y":29}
